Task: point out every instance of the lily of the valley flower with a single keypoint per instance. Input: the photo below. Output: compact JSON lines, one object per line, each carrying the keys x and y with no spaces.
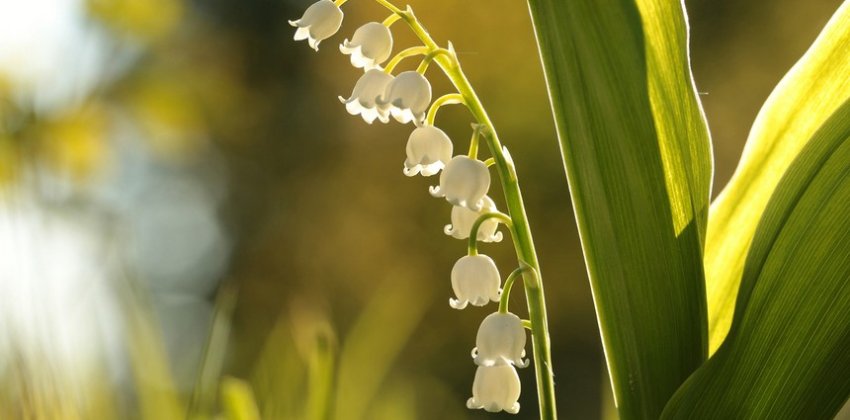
{"x":500,"y":340}
{"x":364,"y":98}
{"x":495,"y":388}
{"x":320,"y":21}
{"x":464,"y":182}
{"x":428,"y":151}
{"x":408,"y":97}
{"x":370,"y":46}
{"x":475,"y":280}
{"x":463,"y":219}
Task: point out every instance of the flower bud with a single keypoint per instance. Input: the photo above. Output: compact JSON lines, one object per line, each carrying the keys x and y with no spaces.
{"x":464,"y":182}
{"x":495,"y":388}
{"x":428,"y":151}
{"x":500,"y":340}
{"x":370,"y":46}
{"x":408,"y":97}
{"x":366,"y":91}
{"x":320,"y":21}
{"x":475,"y":280}
{"x":463,"y":219}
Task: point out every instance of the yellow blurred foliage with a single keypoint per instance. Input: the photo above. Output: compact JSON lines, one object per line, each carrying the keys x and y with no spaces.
{"x":144,"y":18}
{"x":75,"y":144}
{"x":174,"y":124}
{"x":8,"y":160}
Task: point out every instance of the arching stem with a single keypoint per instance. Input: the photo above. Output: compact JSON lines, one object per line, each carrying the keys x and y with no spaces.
{"x":473,"y":233}
{"x":521,"y":232}
{"x":447,"y":99}
{"x":506,"y":290}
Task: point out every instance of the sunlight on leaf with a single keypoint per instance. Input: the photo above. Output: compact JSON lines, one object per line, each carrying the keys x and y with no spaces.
{"x":811,"y":91}
{"x":787,"y":355}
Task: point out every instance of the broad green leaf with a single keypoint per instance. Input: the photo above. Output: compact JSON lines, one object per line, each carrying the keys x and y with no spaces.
{"x":637,"y":156}
{"x":787,"y":355}
{"x":814,"y":88}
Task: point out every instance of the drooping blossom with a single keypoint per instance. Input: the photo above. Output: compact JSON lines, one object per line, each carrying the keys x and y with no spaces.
{"x":495,"y":388}
{"x":408,"y":97}
{"x":370,"y":46}
{"x":364,"y":97}
{"x":476,"y":281}
{"x":500,"y":340}
{"x":464,"y":182}
{"x":320,"y":21}
{"x":428,"y":151}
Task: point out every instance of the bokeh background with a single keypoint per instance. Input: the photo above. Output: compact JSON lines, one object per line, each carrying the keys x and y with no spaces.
{"x":189,"y":217}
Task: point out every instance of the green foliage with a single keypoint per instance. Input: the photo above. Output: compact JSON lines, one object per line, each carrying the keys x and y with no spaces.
{"x":637,"y":156}
{"x":806,"y":97}
{"x":787,"y":355}
{"x":636,"y":150}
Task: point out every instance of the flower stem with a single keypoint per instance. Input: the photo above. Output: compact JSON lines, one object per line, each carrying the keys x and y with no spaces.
{"x":408,"y":52}
{"x":523,"y":242}
{"x":473,"y":232}
{"x":473,"y":142}
{"x":506,"y":290}
{"x":393,"y":18}
{"x":448,"y":99}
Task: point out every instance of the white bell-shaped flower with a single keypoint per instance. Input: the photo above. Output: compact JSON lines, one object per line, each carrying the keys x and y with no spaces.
{"x":464,"y":182}
{"x":320,"y":21}
{"x":363,"y":99}
{"x":475,"y":280}
{"x":370,"y":46}
{"x":463,"y":219}
{"x":428,"y":151}
{"x":495,"y":388}
{"x":500,"y":340}
{"x":408,"y":97}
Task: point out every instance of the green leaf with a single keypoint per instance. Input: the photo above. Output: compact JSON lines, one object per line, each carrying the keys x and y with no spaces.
{"x":814,"y":88}
{"x":637,"y":155}
{"x":788,"y":351}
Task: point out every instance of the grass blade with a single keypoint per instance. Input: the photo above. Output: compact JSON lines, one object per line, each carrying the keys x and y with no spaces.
{"x":637,"y":155}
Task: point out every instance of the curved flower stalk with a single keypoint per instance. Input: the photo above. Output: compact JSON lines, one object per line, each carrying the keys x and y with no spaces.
{"x":464,"y":183}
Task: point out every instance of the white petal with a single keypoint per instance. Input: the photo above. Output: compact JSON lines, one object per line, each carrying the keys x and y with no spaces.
{"x":363,"y":97}
{"x":409,"y":95}
{"x":500,"y":339}
{"x":495,"y":388}
{"x":463,"y":219}
{"x":301,"y":34}
{"x":427,"y":148}
{"x":371,"y":45}
{"x":465,"y":182}
{"x":320,"y":21}
{"x":476,"y":279}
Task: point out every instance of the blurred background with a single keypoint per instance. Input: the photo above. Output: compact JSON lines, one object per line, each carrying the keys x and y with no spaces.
{"x":190,"y":221}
